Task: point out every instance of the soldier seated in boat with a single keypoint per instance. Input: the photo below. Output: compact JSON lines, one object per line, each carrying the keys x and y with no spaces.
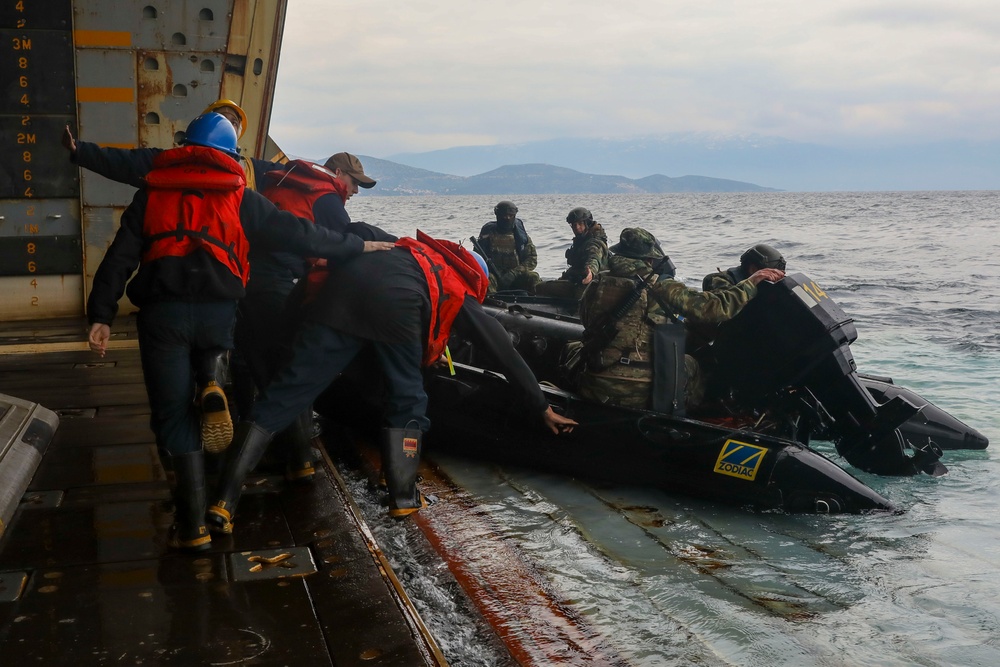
{"x":509,"y":251}
{"x":753,"y":259}
{"x":587,"y":257}
{"x":634,"y":334}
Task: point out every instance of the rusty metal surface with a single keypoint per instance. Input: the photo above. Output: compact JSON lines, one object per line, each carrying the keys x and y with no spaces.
{"x":122,"y":74}
{"x":100,"y":587}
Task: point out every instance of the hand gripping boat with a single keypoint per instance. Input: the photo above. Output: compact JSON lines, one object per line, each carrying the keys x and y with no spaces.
{"x":782,"y":374}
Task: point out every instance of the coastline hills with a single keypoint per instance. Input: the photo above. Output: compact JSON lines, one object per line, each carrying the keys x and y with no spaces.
{"x":395,"y":179}
{"x":930,"y":163}
{"x":724,"y":163}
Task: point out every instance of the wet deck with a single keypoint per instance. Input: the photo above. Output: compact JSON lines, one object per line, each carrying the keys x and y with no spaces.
{"x":86,"y":578}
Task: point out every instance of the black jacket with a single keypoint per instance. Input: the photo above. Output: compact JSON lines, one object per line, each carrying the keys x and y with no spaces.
{"x":383,"y":296}
{"x":130,"y":165}
{"x":199,"y":277}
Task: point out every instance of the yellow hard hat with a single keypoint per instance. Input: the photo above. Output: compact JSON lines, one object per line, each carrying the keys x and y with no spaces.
{"x":218,"y":104}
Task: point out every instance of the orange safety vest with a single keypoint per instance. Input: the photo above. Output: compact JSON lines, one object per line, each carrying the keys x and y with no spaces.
{"x":298,"y":187}
{"x":296,"y":190}
{"x":193,"y":203}
{"x":451,"y":272}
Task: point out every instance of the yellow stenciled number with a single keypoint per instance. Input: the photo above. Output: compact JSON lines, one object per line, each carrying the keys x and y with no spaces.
{"x":815,"y":291}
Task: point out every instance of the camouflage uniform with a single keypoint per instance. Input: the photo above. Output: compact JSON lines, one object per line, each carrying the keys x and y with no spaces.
{"x":722,"y":279}
{"x":589,"y":251}
{"x":622,"y":372}
{"x":514,"y":267}
{"x":760,"y":256}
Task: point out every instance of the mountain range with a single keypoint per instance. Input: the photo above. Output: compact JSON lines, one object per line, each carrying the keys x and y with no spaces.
{"x":725,"y":163}
{"x":399,"y":179}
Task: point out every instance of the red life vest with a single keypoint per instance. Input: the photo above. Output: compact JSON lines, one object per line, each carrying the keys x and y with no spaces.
{"x":298,"y":187}
{"x":296,"y":190}
{"x":451,"y":272}
{"x":193,"y":203}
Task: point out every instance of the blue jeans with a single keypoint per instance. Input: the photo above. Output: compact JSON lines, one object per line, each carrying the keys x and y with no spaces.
{"x":171,"y":336}
{"x":319,"y":355}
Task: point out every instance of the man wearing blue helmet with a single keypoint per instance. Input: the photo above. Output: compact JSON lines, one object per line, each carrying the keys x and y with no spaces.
{"x":185,"y":236}
{"x":130,"y":166}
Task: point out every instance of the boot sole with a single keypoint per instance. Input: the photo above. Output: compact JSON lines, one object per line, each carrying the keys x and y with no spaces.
{"x":303,"y":473}
{"x":203,"y":543}
{"x":219,"y":521}
{"x":403,"y":512}
{"x":216,"y":422}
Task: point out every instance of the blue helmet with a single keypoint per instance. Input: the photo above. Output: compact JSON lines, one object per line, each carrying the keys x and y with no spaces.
{"x":482,"y":263}
{"x":215,"y":131}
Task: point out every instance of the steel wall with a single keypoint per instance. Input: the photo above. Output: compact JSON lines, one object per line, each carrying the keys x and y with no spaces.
{"x":123,"y":74}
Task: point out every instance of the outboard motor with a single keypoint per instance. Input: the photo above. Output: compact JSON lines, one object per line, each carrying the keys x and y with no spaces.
{"x":793,"y":335}
{"x":539,"y":336}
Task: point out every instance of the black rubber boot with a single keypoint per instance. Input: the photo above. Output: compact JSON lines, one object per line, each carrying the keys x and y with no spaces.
{"x":244,"y":387}
{"x":189,"y":531}
{"x":216,"y":422}
{"x":249,"y":445}
{"x":400,"y":461}
{"x":296,"y":443}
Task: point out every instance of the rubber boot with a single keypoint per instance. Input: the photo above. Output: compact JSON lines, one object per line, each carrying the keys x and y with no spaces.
{"x":216,"y":422}
{"x":250,"y":443}
{"x":189,"y":531}
{"x":400,"y":461}
{"x":296,"y":441}
{"x":244,"y":388}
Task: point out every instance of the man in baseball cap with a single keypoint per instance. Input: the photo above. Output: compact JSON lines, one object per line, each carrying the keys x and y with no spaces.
{"x":349,"y":166}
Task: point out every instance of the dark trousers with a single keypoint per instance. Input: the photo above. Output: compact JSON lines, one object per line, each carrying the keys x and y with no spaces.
{"x":263,"y":340}
{"x":318,"y":357}
{"x":171,"y":336}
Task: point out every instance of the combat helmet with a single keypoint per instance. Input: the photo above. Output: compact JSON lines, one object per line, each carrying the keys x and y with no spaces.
{"x":580,"y":214}
{"x":505,"y":208}
{"x":214,"y":131}
{"x":763,"y":256}
{"x":637,"y":243}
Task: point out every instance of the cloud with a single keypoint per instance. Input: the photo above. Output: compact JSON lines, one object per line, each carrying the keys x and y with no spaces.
{"x":420,"y":75}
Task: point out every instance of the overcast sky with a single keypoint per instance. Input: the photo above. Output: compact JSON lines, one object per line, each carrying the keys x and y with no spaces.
{"x":379,"y":78}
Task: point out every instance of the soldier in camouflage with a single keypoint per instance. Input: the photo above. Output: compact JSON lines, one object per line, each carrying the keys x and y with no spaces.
{"x":755,"y":258}
{"x":510,"y":250}
{"x":588,"y":255}
{"x":622,"y":372}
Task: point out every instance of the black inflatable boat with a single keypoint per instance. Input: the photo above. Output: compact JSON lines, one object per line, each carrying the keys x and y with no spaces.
{"x":782,"y":374}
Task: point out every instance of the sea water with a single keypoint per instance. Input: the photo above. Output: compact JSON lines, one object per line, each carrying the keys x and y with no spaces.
{"x":668,"y":580}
